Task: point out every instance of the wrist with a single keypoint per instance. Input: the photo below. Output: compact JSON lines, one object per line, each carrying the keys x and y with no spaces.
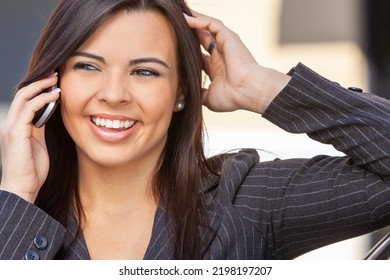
{"x":265,"y":85}
{"x":28,"y":196}
{"x":273,"y":83}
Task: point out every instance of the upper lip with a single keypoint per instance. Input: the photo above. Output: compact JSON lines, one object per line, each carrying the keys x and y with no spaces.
{"x":112,"y":117}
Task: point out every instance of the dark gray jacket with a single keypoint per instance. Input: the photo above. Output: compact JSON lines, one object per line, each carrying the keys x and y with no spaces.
{"x":262,"y":210}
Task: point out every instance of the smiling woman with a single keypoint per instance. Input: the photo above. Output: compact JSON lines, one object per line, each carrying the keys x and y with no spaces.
{"x":122,"y":159}
{"x":119,"y":134}
{"x":119,"y":90}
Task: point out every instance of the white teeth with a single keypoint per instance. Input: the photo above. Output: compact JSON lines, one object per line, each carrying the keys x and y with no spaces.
{"x":108,"y":124}
{"x":116,"y":124}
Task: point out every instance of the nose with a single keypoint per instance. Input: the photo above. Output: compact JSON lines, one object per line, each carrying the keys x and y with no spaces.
{"x":113,"y":90}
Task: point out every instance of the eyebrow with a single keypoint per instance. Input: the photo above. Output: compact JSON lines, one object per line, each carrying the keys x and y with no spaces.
{"x":148,"y":60}
{"x":131,"y":62}
{"x":89,"y":55}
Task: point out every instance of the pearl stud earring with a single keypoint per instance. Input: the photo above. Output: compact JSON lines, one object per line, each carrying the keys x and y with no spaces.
{"x":179,"y":106}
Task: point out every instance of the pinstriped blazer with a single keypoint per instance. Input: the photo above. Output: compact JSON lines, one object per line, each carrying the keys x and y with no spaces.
{"x":261,"y":210}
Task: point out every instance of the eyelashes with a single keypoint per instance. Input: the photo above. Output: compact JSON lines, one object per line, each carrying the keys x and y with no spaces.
{"x":143,"y":72}
{"x":85,"y":67}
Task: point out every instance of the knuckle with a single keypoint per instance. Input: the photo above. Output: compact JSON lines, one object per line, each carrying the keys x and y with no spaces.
{"x":20,"y":92}
{"x":218,"y":22}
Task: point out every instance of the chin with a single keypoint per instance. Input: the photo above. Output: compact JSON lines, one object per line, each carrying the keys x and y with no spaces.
{"x":111,"y":161}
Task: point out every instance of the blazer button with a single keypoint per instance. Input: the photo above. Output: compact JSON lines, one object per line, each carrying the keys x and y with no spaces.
{"x":40,"y":241}
{"x":355,"y":89}
{"x":31,"y":255}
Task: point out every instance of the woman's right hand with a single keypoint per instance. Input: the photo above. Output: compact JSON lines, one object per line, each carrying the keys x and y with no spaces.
{"x":25,"y":160}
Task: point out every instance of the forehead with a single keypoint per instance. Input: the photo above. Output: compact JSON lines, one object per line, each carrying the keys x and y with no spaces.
{"x":134,"y":32}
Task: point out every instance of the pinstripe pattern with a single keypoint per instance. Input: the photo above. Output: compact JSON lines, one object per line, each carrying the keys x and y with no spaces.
{"x":20,"y":222}
{"x":265,"y":210}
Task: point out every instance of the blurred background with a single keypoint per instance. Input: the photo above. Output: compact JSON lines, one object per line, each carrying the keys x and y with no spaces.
{"x":344,"y":40}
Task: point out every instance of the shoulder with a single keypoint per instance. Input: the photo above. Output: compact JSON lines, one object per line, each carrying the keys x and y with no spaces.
{"x":231,"y":167}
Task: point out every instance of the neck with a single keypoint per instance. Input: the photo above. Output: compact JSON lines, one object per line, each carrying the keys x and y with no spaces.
{"x":116,"y":190}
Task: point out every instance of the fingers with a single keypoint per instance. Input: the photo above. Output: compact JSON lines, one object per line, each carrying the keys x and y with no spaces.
{"x":207,"y":64}
{"x":211,"y":47}
{"x":210,"y":31}
{"x":33,"y":89}
{"x":203,"y":22}
{"x":28,"y":100}
{"x":205,"y":39}
{"x":204,"y":94}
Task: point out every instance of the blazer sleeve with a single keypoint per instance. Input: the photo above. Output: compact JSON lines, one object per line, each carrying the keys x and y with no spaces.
{"x":27,"y":232}
{"x":304,"y":204}
{"x":358,"y":124}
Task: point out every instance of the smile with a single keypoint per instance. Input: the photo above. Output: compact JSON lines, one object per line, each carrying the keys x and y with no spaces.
{"x":113,"y":124}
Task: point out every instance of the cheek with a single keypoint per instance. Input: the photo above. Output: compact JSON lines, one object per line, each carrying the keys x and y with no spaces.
{"x":73,"y":99}
{"x":159,"y":104}
{"x":70,"y":101}
{"x":75,"y":92}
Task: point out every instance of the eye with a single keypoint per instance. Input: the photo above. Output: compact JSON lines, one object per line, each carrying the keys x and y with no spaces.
{"x":145,"y":73}
{"x":85,"y":66}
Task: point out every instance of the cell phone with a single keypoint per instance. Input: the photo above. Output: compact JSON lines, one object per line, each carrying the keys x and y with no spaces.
{"x":42,"y":115}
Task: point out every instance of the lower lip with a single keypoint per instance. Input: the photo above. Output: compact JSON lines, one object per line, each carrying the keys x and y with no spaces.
{"x":113,"y":136}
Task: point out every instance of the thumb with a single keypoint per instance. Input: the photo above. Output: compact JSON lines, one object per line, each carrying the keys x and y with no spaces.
{"x":204,"y":93}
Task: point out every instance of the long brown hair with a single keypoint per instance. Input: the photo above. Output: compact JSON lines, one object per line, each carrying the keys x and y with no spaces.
{"x":182,"y":165}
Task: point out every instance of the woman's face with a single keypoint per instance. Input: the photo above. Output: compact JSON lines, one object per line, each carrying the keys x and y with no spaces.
{"x":119,"y":90}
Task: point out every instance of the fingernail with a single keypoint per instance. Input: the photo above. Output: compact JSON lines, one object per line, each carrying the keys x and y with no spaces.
{"x":55,"y":91}
{"x":53,"y":74}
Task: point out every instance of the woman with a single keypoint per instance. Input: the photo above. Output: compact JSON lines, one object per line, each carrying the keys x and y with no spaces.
{"x":121,"y":159}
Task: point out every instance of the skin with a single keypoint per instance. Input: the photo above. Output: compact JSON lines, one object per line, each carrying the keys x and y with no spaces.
{"x":105,"y":78}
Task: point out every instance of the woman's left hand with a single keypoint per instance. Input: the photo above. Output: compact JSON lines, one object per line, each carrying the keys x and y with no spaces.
{"x":237,"y":80}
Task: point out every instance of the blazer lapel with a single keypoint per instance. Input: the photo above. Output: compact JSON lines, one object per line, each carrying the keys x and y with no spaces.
{"x":160,"y":246}
{"x":75,"y":247}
